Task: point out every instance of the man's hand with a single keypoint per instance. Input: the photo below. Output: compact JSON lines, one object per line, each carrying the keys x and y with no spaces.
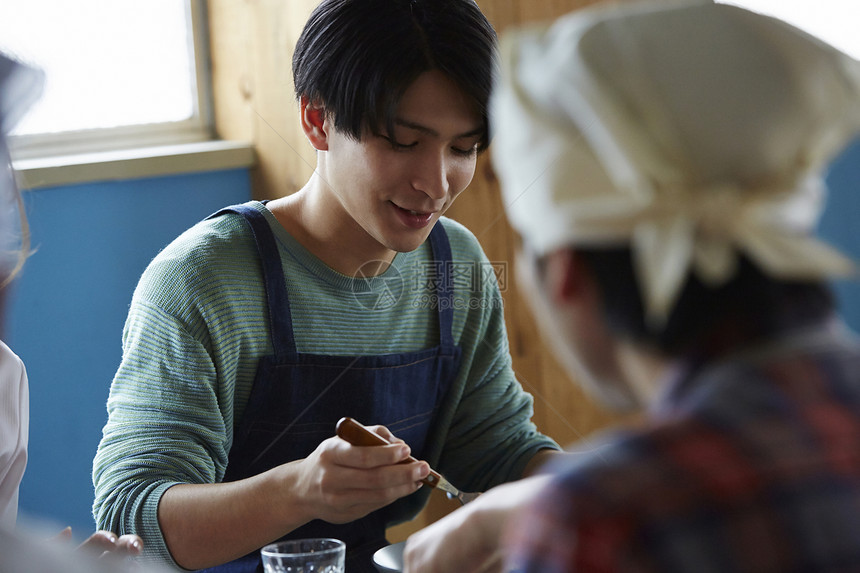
{"x":469,"y":539}
{"x":343,"y":482}
{"x":208,"y":524}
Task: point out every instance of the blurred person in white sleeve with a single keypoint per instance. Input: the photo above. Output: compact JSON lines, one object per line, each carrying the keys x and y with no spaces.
{"x":25,"y":551}
{"x":19,"y":86}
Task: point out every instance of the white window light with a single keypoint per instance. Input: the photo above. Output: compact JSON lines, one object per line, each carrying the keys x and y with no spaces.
{"x":833,"y":21}
{"x":119,"y":73}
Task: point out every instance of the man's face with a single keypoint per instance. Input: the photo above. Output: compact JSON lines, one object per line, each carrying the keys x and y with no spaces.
{"x":395,"y":186}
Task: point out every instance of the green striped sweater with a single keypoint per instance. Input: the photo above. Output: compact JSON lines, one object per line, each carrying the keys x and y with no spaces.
{"x":197,"y":327}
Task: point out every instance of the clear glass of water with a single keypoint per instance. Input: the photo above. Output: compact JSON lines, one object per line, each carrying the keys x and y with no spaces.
{"x":304,"y":556}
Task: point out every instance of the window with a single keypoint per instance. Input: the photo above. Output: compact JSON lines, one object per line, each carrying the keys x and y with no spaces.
{"x":119,"y":73}
{"x":834,"y":21}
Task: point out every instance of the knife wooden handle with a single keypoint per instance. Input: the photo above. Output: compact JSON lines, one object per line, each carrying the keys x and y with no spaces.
{"x":358,"y":435}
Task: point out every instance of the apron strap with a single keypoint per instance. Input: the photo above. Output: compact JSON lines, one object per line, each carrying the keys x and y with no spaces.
{"x":442,"y":256}
{"x":280,"y":319}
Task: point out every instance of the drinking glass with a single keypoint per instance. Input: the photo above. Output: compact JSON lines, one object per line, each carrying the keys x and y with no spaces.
{"x":304,"y":556}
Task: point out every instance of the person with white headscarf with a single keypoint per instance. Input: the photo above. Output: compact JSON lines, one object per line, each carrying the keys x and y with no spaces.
{"x":663,"y":164}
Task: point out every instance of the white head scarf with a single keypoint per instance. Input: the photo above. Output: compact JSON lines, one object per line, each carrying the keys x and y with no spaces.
{"x":691,"y":131}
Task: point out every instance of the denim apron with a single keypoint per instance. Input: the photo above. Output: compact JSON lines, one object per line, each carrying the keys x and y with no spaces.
{"x":297,"y":399}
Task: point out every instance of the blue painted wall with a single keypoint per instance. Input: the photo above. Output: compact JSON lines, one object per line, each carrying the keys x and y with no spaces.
{"x":840,"y":225}
{"x":67,"y":310}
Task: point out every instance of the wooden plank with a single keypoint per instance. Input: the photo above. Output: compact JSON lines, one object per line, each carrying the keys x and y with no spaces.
{"x":286,"y":158}
{"x":232,"y":82}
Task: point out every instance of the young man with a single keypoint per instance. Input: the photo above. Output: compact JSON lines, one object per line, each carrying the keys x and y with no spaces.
{"x":256,"y":330}
{"x":663,"y":165}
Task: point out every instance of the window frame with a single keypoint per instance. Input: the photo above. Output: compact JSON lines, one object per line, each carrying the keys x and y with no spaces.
{"x":198,"y":128}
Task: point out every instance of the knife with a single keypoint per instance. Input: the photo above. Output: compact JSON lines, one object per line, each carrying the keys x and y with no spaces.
{"x":358,"y":435}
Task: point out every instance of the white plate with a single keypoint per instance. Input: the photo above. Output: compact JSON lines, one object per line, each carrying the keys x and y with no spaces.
{"x":389,"y":559}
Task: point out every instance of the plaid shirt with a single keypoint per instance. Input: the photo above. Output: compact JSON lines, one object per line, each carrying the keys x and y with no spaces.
{"x":751,"y":464}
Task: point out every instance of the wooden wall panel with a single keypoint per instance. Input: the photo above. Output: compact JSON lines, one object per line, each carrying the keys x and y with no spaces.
{"x":252,"y":43}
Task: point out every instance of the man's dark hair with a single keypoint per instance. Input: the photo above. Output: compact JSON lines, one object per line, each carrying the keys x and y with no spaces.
{"x":358,"y":57}
{"x":705,"y":320}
